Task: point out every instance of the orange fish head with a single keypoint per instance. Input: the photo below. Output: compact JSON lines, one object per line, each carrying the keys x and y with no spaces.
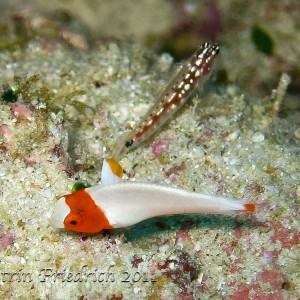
{"x":78,"y":212}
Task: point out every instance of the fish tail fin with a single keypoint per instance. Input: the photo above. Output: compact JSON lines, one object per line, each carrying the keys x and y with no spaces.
{"x":250,"y":207}
{"x":230,"y":205}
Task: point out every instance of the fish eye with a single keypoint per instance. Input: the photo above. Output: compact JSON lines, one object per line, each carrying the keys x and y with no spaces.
{"x":129,"y":143}
{"x":73,"y":220}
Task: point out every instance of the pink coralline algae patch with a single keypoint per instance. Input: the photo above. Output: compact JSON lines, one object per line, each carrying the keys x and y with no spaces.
{"x":267,"y":286}
{"x":30,"y":160}
{"x":236,"y":266}
{"x":21,"y":111}
{"x":5,"y":131}
{"x":287,"y":237}
{"x":264,"y":205}
{"x":66,"y":168}
{"x":241,"y":293}
{"x":160,"y":146}
{"x":239,"y":233}
{"x":183,"y":235}
{"x":7,"y":239}
{"x":271,"y":277}
{"x":229,"y":247}
{"x":205,"y":137}
{"x":269,"y":257}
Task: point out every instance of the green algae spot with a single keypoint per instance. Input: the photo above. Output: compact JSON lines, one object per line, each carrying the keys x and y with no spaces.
{"x":20,"y":224}
{"x":79,"y":186}
{"x":9,"y":96}
{"x":262,"y":40}
{"x":158,"y":284}
{"x":222,"y":76}
{"x":164,"y":159}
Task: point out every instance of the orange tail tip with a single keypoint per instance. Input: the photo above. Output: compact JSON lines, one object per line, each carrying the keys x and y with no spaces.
{"x":250,"y":207}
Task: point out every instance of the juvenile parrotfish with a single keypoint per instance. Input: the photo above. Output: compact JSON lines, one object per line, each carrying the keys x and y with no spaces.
{"x":116,"y":203}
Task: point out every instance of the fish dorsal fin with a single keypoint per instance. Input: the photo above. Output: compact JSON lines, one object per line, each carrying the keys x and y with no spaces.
{"x":111,"y":173}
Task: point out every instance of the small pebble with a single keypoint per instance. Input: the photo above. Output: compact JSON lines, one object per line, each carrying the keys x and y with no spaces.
{"x":258,"y":137}
{"x":297,"y":134}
